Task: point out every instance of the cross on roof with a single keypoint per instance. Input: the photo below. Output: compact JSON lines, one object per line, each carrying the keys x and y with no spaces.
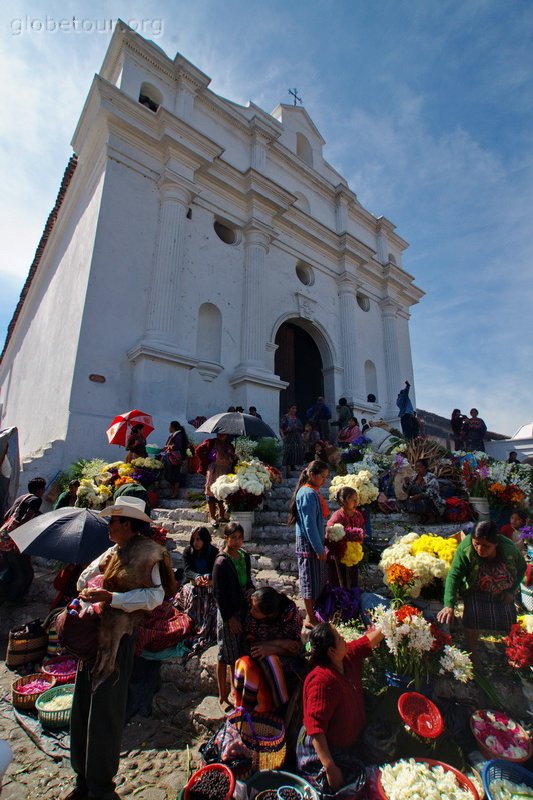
{"x":294,"y":93}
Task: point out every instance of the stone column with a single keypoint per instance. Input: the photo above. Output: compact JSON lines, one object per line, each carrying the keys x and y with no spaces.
{"x":350,"y":340}
{"x":162,"y":316}
{"x":389,"y":310}
{"x":253,"y":341}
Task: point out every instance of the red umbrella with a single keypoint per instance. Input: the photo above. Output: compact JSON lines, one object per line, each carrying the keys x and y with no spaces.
{"x":117,"y":433}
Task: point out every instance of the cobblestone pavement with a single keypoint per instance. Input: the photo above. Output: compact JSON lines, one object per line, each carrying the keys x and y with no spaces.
{"x":154,"y":750}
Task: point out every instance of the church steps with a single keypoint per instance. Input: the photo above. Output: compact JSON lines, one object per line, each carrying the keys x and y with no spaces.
{"x":272,"y":549}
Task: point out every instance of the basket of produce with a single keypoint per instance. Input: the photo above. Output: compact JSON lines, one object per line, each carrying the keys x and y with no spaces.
{"x":267,"y":782}
{"x":55,"y":705}
{"x":420,"y":715}
{"x":403,"y":779}
{"x":62,"y":668}
{"x":503,"y":780}
{"x":214,"y":782}
{"x":499,"y":736}
{"x":26,"y":690}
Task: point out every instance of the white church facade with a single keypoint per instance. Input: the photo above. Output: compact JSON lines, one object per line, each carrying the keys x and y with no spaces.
{"x":201,"y":254}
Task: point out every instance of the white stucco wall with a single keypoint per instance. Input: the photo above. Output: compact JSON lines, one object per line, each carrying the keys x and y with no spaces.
{"x":42,"y":352}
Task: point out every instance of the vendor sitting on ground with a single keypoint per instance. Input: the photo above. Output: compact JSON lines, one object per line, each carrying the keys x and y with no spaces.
{"x":334,"y":709}
{"x":423,"y":494}
{"x":350,"y":433}
{"x":486,"y":571}
{"x":272,"y":630}
{"x":196,"y":597}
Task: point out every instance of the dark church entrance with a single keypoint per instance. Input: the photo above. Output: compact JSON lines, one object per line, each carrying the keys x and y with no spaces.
{"x":299,"y":362}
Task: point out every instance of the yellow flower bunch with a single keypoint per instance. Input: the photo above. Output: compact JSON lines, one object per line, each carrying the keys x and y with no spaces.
{"x":125,"y":469}
{"x":526,"y":621}
{"x":353,"y":554}
{"x":436,"y":546}
{"x":104,"y":491}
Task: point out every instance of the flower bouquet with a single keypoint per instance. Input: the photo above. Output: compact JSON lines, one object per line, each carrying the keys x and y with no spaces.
{"x":519,"y":646}
{"x":244,"y":489}
{"x":360,"y":481}
{"x":354,"y":452}
{"x":428,"y":556}
{"x":91,"y":495}
{"x":344,"y":546}
{"x":498,"y":736}
{"x":414,"y":648}
{"x":400,"y":579}
{"x":505,"y":496}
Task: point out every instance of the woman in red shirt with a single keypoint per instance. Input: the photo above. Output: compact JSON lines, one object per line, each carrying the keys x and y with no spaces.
{"x":334,"y":709}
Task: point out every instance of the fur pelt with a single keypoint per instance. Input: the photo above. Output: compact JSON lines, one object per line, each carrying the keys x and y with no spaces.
{"x":129,"y":568}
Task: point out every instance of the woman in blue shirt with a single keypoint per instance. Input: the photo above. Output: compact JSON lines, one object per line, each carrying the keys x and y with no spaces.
{"x":308,"y":511}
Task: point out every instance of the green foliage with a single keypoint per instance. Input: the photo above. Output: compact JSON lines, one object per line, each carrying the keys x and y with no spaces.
{"x":268,"y":451}
{"x":83,"y":468}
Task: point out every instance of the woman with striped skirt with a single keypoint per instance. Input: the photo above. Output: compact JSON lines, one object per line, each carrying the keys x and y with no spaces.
{"x":308,"y":511}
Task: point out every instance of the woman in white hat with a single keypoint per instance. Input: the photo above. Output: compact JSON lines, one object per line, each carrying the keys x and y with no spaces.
{"x":133,"y":575}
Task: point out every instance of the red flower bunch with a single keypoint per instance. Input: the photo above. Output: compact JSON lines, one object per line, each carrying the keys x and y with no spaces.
{"x":519,"y":647}
{"x":406,"y":613}
{"x":440,"y":638}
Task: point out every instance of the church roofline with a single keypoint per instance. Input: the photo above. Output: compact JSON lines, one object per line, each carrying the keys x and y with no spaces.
{"x":46,"y":234}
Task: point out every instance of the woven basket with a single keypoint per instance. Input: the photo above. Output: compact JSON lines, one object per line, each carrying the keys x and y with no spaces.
{"x":25,"y":702}
{"x":264,"y":736}
{"x":24,"y":647}
{"x":54,"y":719}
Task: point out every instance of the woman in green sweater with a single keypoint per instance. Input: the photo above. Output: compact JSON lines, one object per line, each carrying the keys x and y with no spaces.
{"x":486,"y":571}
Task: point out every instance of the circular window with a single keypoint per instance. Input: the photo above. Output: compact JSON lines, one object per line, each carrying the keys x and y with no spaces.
{"x":225,"y":233}
{"x":305,"y":274}
{"x":363,"y":302}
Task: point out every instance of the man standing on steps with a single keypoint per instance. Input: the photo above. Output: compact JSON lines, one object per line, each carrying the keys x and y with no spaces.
{"x":406,"y":412}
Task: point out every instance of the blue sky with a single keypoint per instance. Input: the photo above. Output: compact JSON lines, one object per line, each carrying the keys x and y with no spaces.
{"x":426,"y":107}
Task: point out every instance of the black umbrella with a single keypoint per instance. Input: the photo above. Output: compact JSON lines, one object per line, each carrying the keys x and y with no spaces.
{"x":236,"y":424}
{"x":72,"y":535}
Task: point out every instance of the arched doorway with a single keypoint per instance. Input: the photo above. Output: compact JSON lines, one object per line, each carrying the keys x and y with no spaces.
{"x":298,"y":361}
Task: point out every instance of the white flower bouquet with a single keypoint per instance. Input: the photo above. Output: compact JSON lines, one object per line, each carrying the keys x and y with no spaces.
{"x":361,"y":481}
{"x":416,"y":648}
{"x":243,"y":490}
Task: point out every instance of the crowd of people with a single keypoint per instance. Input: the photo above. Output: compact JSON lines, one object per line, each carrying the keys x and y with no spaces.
{"x":259,"y":631}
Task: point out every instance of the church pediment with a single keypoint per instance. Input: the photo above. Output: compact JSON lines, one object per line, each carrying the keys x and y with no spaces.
{"x":297,"y":118}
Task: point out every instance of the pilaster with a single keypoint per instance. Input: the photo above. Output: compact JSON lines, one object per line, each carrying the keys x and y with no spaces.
{"x":389,"y":311}
{"x":350,"y":338}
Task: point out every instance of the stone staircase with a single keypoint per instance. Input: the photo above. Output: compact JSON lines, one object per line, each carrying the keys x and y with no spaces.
{"x":272,"y":545}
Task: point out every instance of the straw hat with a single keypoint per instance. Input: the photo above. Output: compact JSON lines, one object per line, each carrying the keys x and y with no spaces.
{"x":132,"y":507}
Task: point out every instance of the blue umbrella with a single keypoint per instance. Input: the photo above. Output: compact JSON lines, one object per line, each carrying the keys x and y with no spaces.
{"x":72,"y":535}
